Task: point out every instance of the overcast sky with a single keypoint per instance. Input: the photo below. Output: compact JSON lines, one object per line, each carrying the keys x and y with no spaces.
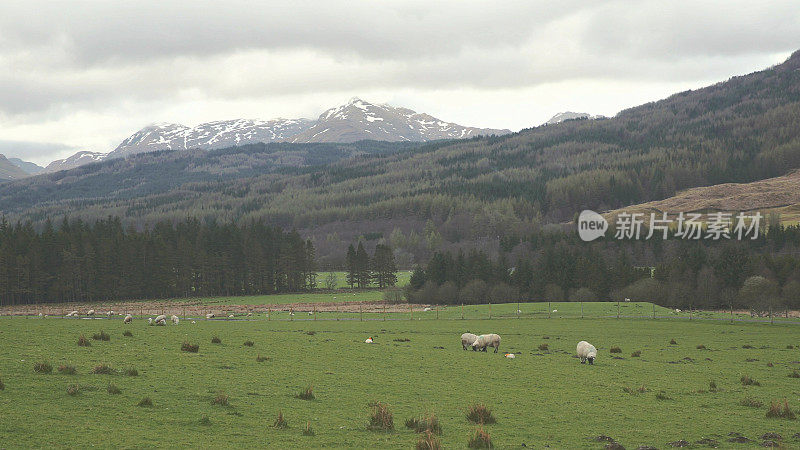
{"x":86,"y":75}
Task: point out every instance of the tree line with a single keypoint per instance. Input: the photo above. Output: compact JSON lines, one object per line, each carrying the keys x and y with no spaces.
{"x":363,"y":270}
{"x":77,"y":261}
{"x":760,"y":275}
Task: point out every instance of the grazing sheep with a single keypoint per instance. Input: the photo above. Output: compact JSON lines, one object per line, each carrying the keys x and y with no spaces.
{"x":194,"y":321}
{"x":73,"y":314}
{"x":427,"y":309}
{"x":127,"y":319}
{"x":586,"y":352}
{"x":174,"y":319}
{"x":368,"y":341}
{"x":486,"y":340}
{"x":249,"y":314}
{"x":149,"y":320}
{"x":161,"y":319}
{"x":210,"y":316}
{"x":110,"y":313}
{"x":230,"y":316}
{"x":510,"y":355}
{"x":41,"y":314}
{"x":467,"y":339}
{"x":90,"y":312}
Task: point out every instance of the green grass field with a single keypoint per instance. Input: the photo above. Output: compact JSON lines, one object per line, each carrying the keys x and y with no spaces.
{"x":543,"y":397}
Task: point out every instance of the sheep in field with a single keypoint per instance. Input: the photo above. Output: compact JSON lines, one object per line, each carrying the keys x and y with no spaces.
{"x":127,"y":319}
{"x":486,"y":340}
{"x":73,"y":314}
{"x":586,"y":352}
{"x":175,"y":319}
{"x":467,"y":339}
{"x":210,"y":316}
{"x":90,"y":312}
{"x":161,"y":319}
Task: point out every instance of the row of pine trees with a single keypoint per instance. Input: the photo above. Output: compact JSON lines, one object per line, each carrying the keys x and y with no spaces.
{"x":363,"y":270}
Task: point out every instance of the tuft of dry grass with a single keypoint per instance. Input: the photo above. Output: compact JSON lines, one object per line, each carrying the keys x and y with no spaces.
{"x":103,"y":369}
{"x":101,"y":336}
{"x":747,"y":381}
{"x":73,"y":389}
{"x":640,"y":390}
{"x":480,"y":439}
{"x":188,"y":347}
{"x":712,"y":386}
{"x":127,"y":333}
{"x":307,"y":393}
{"x":636,"y":354}
{"x":428,"y":441}
{"x":794,"y":374}
{"x":221,"y":399}
{"x":113,"y":389}
{"x":543,"y":347}
{"x":83,"y":342}
{"x":480,"y":413}
{"x":43,"y":367}
{"x":280,"y":421}
{"x":132,"y":372}
{"x":216,"y":340}
{"x":615,"y":349}
{"x":205,"y":420}
{"x":662,"y":396}
{"x":260,"y":358}
{"x":67,"y":370}
{"x":249,"y":343}
{"x":778,"y":410}
{"x":380,"y":417}
{"x":146,"y":402}
{"x":701,"y":347}
{"x":428,"y":422}
{"x":751,"y":402}
{"x":673,"y":342}
{"x":308,"y":431}
{"x":747,"y":346}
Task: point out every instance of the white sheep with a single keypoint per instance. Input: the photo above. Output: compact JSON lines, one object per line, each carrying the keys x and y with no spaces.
{"x":90,"y":312}
{"x":210,"y":316}
{"x":510,"y":355}
{"x":175,"y":319}
{"x":586,"y":352}
{"x":73,"y":314}
{"x":427,"y":309}
{"x":149,"y":320}
{"x":230,"y":316}
{"x":467,"y":339}
{"x":41,"y":315}
{"x":486,"y":340}
{"x":368,"y":340}
{"x":161,"y":319}
{"x":110,"y":313}
{"x":127,"y":319}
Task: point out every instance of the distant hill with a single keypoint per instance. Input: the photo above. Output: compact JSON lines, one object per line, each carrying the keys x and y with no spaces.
{"x":27,"y":167}
{"x":568,"y":115}
{"x":10,"y":171}
{"x":76,"y":160}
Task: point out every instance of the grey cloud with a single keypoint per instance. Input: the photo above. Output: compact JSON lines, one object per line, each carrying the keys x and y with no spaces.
{"x":31,"y":150}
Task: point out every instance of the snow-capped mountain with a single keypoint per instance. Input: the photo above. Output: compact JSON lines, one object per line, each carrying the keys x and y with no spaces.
{"x":359,"y":120}
{"x":208,"y":136}
{"x":76,"y":160}
{"x":569,"y":115}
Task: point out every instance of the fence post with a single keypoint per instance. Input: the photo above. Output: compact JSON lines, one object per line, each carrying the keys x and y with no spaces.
{"x":731,"y":312}
{"x":549,"y":310}
{"x":314,"y":310}
{"x":770,"y":313}
{"x":411,"y":308}
{"x":291,"y":313}
{"x":384,"y":312}
{"x":490,"y":310}
{"x":654,"y":310}
{"x":462,"y":311}
{"x":336,"y":310}
{"x":581,"y":310}
{"x":269,"y":313}
{"x":360,"y":313}
{"x":617,"y":309}
{"x":437,"y":312}
{"x":518,"y":310}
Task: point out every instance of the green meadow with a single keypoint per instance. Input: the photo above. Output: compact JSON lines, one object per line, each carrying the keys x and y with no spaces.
{"x":544,"y":396}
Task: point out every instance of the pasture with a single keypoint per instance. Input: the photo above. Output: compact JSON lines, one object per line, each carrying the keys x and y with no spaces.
{"x":542,"y":397}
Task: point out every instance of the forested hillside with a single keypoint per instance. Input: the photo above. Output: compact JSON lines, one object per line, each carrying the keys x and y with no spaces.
{"x":444,"y":194}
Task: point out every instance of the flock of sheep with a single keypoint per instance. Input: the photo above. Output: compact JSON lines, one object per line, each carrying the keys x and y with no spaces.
{"x":585,"y":350}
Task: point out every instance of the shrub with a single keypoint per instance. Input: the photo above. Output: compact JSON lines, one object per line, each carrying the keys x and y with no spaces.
{"x":480,"y":439}
{"x":701,"y":347}
{"x":662,"y":396}
{"x":636,"y":354}
{"x":280,"y":421}
{"x":146,"y":402}
{"x":673,"y":342}
{"x":132,"y":372}
{"x":73,"y":389}
{"x":103,"y":369}
{"x":102,"y":336}
{"x":428,"y":441}
{"x":205,"y":420}
{"x":778,"y":410}
{"x":83,"y":342}
{"x":380,"y":417}
{"x":67,"y":370}
{"x":427,"y":423}
{"x":249,"y":343}
{"x":43,"y":367}
{"x":216,"y":340}
{"x":543,"y":347}
{"x":260,"y":358}
{"x":794,"y":374}
{"x":113,"y":389}
{"x":308,"y":431}
{"x":480,"y":413}
{"x":751,"y":402}
{"x":307,"y":393}
{"x":127,"y":333}
{"x":221,"y":399}
{"x":747,"y":381}
{"x":615,"y":350}
{"x":187,"y":347}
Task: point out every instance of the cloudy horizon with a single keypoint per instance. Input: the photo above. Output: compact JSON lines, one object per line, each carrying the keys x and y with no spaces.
{"x":86,"y":75}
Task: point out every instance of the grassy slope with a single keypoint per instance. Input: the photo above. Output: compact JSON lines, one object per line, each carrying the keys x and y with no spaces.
{"x":537,"y":398}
